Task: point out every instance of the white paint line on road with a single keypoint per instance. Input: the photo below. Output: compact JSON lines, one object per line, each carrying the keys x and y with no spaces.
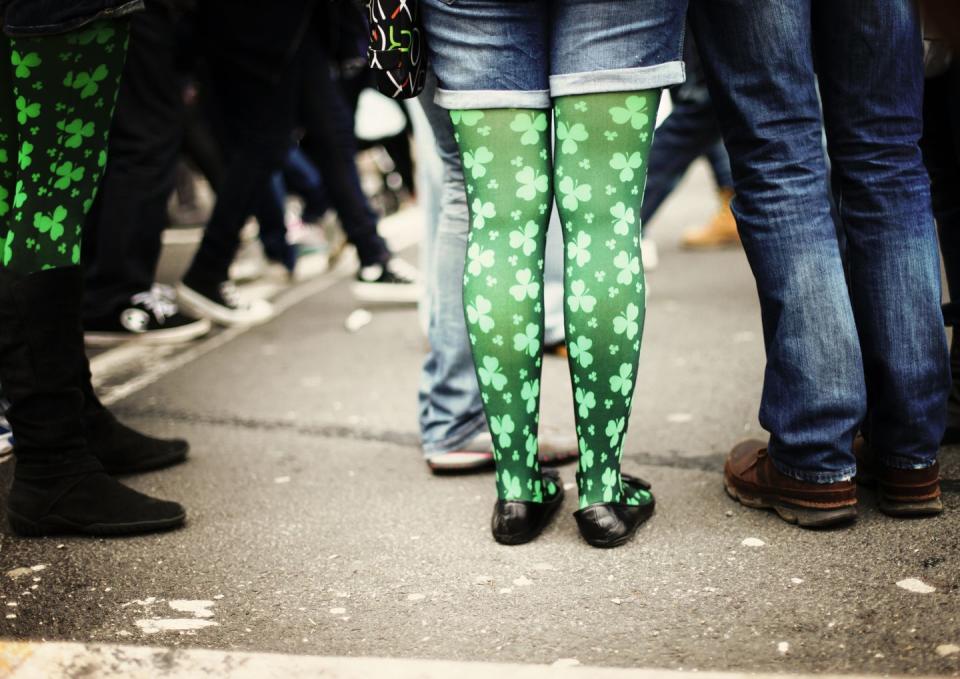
{"x":401,"y":230}
{"x":51,"y":659}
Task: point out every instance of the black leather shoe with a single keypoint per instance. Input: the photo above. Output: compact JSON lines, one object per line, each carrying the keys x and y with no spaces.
{"x":515,"y":522}
{"x":122,"y":450}
{"x":608,"y":524}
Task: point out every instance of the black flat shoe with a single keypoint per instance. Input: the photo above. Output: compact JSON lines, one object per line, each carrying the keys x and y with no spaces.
{"x":608,"y":524}
{"x":515,"y":522}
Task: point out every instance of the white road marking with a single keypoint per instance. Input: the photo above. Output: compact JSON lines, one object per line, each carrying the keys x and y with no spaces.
{"x":55,"y":659}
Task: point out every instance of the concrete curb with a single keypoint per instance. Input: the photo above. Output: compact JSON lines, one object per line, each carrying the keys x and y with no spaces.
{"x":25,"y":660}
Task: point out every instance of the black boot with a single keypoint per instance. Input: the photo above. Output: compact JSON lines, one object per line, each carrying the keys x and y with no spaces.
{"x":515,"y":522}
{"x":58,"y":486}
{"x":609,"y":524}
{"x":120,"y":449}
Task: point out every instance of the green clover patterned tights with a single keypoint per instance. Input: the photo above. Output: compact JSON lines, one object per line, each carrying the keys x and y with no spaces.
{"x":57,"y":96}
{"x":601,"y":147}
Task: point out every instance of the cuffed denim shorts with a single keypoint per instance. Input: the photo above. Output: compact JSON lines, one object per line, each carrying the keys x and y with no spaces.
{"x":523,"y":53}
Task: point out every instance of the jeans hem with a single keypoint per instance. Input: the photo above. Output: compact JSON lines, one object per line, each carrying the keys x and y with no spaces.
{"x":845,"y":474}
{"x":618,"y":80}
{"x":906,"y":463}
{"x":487,"y":99}
{"x":454,"y":442}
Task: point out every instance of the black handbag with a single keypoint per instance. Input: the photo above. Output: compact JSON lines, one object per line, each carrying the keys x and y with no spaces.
{"x":398,"y":48}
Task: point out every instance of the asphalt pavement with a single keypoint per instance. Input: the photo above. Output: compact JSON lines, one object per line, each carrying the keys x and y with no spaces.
{"x":315,"y":528}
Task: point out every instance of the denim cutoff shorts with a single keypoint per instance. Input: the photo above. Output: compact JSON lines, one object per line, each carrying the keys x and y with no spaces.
{"x":523,"y":53}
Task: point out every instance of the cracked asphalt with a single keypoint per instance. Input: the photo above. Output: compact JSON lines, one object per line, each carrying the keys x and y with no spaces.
{"x":315,"y":528}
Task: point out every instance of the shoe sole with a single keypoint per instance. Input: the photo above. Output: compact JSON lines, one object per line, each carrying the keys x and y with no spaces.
{"x":59,"y":526}
{"x":180,"y":335}
{"x":800,"y":516}
{"x":387,"y":292}
{"x":198,"y":305}
{"x":911,"y":510}
{"x":900,"y":509}
{"x":467,"y":463}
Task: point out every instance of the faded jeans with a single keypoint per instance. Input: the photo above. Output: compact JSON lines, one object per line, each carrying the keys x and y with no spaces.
{"x":870,"y":354}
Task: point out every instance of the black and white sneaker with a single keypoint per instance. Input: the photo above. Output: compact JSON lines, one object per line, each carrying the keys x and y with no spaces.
{"x":222,"y":303}
{"x":393,"y":281}
{"x":151,"y":317}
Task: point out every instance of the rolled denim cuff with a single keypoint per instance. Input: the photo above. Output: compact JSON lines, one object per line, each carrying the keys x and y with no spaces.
{"x":907,"y":462}
{"x":845,"y":474}
{"x":484,"y":99}
{"x":618,"y":80}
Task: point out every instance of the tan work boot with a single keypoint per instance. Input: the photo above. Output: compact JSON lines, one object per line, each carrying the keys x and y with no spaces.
{"x":718,"y":232}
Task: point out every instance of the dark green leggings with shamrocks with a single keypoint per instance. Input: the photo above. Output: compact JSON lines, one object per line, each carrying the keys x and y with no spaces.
{"x":57,"y":95}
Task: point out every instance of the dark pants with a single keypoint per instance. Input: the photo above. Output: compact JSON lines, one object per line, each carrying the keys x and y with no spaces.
{"x":298,"y":176}
{"x":690,"y":131}
{"x":941,"y":153}
{"x":123,"y":230}
{"x":837,"y":348}
{"x":253,"y":58}
{"x":328,"y":120}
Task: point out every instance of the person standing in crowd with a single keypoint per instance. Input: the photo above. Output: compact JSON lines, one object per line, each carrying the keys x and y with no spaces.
{"x":538,"y":61}
{"x":690,"y":131}
{"x":941,"y":154}
{"x":869,"y":354}
{"x":253,"y":60}
{"x":58,"y":88}
{"x":327,"y":116}
{"x":124,"y":228}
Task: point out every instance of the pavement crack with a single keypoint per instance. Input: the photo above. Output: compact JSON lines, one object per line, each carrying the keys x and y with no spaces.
{"x":709,"y":462}
{"x":315,"y":429}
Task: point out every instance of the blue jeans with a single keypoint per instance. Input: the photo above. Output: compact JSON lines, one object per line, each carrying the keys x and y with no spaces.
{"x":451,"y":411}
{"x":690,"y":131}
{"x":841,"y":355}
{"x":522,"y":53}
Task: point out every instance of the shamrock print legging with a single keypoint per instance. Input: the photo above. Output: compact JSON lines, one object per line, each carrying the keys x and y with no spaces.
{"x":57,"y":96}
{"x":598,"y":174}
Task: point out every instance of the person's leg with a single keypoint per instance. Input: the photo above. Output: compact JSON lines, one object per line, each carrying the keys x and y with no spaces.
{"x":719,"y":162}
{"x":64,"y":88}
{"x":941,"y":154}
{"x":254,"y":60}
{"x":451,"y":411}
{"x":507,"y":170}
{"x":600,"y":182}
{"x":871,"y":85}
{"x":758,"y":60}
{"x":609,"y":64}
{"x":123,"y":231}
{"x":689,"y":132}
{"x":303,"y":178}
{"x":331,"y":145}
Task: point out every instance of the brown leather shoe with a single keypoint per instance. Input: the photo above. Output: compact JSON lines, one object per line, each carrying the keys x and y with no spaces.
{"x":750,"y":478}
{"x":900,"y":492}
